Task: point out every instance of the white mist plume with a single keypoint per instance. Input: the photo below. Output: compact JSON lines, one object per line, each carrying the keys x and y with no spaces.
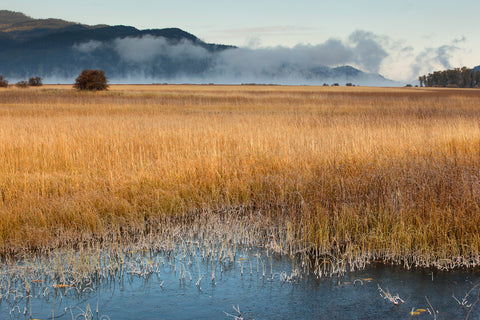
{"x":148,"y":47}
{"x":368,"y":50}
{"x":87,"y":47}
{"x":362,"y":50}
{"x":302,"y":64}
{"x":431,"y":59}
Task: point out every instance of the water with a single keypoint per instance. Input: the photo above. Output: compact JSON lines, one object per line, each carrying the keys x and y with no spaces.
{"x":178,"y":285}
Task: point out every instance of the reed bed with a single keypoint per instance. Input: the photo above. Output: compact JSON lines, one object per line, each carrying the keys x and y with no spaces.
{"x":348,"y":175}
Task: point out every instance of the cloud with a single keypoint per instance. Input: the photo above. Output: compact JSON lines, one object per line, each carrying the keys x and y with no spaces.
{"x":369,"y":51}
{"x":405,"y":63}
{"x":361,"y":50}
{"x":433,"y":58}
{"x":265,"y":60}
{"x":87,"y":47}
{"x":148,"y":48}
{"x":253,"y":42}
{"x":444,"y":54}
{"x":459,"y":40}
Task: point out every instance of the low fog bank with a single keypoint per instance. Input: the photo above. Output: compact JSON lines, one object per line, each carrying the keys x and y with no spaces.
{"x":150,"y":59}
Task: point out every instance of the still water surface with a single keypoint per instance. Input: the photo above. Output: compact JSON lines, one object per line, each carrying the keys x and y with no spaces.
{"x":259,"y":284}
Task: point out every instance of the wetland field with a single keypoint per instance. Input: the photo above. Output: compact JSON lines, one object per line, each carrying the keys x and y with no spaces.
{"x":251,"y":196}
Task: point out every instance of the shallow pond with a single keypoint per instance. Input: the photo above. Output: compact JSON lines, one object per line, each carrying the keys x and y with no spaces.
{"x":257,"y":284}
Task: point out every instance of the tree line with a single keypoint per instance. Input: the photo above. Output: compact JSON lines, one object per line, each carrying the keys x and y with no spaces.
{"x":452,"y":78}
{"x":32,"y":82}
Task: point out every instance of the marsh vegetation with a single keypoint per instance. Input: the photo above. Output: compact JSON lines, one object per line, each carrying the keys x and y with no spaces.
{"x":347,"y":175}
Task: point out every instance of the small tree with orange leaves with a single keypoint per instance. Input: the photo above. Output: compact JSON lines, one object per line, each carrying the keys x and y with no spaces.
{"x":94,"y":80}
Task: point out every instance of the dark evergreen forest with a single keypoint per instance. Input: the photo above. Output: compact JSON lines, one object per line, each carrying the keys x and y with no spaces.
{"x":452,"y":78}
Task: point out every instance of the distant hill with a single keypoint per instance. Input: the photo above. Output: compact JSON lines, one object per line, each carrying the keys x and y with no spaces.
{"x":58,"y":50}
{"x":477,"y":68}
{"x":22,"y":27}
{"x":10,"y":17}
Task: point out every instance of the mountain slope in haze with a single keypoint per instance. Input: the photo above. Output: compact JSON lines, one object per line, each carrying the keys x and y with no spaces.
{"x":58,"y":50}
{"x":53,"y":47}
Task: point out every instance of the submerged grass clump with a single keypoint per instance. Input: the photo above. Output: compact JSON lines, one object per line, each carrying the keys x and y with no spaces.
{"x":341,"y":175}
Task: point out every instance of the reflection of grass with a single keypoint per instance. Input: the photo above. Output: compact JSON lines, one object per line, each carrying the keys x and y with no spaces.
{"x":341,"y":174}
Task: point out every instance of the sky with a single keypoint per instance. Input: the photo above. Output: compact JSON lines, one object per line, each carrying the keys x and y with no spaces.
{"x":417,"y":36}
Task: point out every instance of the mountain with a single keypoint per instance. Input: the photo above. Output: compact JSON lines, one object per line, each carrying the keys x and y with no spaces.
{"x":477,"y":68}
{"x":59,"y":50}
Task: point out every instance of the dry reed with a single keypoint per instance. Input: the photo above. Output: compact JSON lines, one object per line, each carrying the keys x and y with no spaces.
{"x":348,"y":174}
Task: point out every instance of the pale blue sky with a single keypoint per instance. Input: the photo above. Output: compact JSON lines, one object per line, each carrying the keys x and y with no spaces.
{"x":412,"y":32}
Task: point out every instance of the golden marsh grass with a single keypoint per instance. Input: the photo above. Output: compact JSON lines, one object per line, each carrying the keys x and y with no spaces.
{"x":378,"y":173}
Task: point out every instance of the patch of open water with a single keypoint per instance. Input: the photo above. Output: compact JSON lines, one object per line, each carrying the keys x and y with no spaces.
{"x":259,"y":284}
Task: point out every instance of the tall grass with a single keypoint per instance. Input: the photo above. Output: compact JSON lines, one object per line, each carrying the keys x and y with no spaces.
{"x":367,"y":173}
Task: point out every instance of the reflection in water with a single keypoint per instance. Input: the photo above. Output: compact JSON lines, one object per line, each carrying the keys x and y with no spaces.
{"x":186,"y":283}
